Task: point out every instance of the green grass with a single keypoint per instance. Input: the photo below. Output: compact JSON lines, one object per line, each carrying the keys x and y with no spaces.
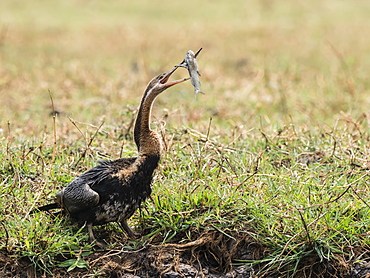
{"x":277,"y":149}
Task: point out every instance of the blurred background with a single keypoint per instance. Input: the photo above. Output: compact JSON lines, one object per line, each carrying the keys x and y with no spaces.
{"x":264,"y":63}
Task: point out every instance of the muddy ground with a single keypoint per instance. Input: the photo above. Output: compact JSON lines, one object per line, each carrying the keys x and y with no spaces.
{"x":211,"y":255}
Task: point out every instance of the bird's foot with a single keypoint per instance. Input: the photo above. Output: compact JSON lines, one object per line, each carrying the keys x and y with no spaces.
{"x":134,"y":235}
{"x":130,"y":232}
{"x":99,"y":244}
{"x":92,"y":239}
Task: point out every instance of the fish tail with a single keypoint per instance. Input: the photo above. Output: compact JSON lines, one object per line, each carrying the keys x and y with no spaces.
{"x":197,"y":92}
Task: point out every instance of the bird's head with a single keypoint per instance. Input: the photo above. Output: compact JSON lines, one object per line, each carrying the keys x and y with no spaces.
{"x":161,"y":82}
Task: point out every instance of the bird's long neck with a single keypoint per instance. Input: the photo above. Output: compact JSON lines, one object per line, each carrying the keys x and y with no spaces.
{"x":147,"y":141}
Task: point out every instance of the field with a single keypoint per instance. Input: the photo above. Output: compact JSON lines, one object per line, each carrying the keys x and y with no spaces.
{"x":266,"y":175}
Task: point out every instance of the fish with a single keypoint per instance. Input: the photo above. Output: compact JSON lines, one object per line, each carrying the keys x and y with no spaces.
{"x":191,"y":64}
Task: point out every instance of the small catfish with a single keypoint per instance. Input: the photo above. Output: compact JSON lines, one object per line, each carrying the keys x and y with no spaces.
{"x":190,"y":62}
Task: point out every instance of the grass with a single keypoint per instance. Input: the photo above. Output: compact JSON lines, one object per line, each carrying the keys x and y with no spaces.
{"x":277,"y":150}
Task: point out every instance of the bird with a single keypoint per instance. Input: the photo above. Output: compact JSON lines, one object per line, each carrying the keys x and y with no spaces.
{"x":114,"y":189}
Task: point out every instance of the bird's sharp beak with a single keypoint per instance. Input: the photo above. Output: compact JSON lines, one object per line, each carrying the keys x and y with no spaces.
{"x":167,"y":76}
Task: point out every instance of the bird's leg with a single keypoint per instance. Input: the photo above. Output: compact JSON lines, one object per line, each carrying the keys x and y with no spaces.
{"x":92,"y":238}
{"x":130,"y":232}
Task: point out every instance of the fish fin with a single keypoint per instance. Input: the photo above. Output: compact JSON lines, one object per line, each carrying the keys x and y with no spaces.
{"x":182,"y":66}
{"x":199,"y":92}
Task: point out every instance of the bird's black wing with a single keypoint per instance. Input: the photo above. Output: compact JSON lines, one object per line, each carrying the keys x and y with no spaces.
{"x":82,"y":192}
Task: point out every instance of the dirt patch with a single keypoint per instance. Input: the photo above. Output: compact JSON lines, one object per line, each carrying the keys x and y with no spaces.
{"x":211,"y":255}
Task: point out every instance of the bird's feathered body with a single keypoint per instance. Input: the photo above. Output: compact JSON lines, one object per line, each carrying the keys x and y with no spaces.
{"x":121,"y":186}
{"x":114,"y":189}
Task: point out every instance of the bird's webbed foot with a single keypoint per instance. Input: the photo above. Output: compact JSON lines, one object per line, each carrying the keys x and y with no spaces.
{"x":130,"y":232}
{"x":93,"y":240}
{"x":101,"y":245}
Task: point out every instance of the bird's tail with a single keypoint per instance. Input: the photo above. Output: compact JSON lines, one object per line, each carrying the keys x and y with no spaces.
{"x":45,"y":208}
